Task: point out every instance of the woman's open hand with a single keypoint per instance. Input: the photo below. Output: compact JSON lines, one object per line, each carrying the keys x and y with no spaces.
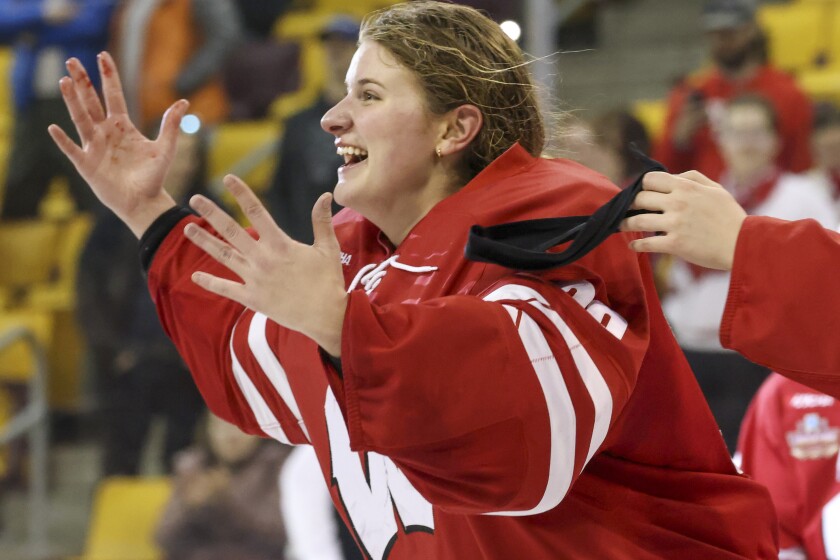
{"x":296,"y":285}
{"x":124,"y":168}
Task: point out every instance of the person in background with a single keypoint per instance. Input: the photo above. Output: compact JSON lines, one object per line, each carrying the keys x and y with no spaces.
{"x":307,"y":158}
{"x":607,"y":144}
{"x":621,"y":137}
{"x":695,"y":297}
{"x":259,"y":17}
{"x":225,"y":503}
{"x":789,"y":442}
{"x":825,"y":144}
{"x":44,"y":33}
{"x":314,"y":530}
{"x":696,"y":106}
{"x":138,"y":374}
{"x":175,"y":49}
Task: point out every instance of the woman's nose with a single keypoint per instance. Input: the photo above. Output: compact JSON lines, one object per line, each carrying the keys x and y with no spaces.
{"x":337,"y":119}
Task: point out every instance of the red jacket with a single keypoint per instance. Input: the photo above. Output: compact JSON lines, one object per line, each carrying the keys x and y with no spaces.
{"x":792,"y":107}
{"x":789,"y":442}
{"x":482,"y":413}
{"x":781,"y":310}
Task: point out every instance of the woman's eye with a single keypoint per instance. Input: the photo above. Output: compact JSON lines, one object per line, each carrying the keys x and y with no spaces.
{"x":368,"y":96}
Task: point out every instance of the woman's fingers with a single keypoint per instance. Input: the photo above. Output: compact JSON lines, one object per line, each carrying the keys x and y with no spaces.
{"x":223,"y":253}
{"x":66,"y":145}
{"x":170,"y":125}
{"x":659,"y":181}
{"x":698,"y":177}
{"x":226,"y":226}
{"x":78,"y":114}
{"x":85,"y":90}
{"x":222,"y":287}
{"x":650,"y":200}
{"x":254,"y":210}
{"x":111,"y":86}
{"x":322,"y":226}
{"x":645,"y":223}
{"x":657,"y":244}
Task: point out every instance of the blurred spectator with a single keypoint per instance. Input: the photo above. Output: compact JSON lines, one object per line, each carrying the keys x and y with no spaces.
{"x":619,"y":136}
{"x":259,"y":16}
{"x":44,"y":34}
{"x":226,"y":500}
{"x":789,"y":442}
{"x":307,"y":161}
{"x":749,"y":138}
{"x":172,"y":50}
{"x":825,"y":143}
{"x":695,"y":106}
{"x":313,"y":527}
{"x":608,"y":144}
{"x":138,"y":372}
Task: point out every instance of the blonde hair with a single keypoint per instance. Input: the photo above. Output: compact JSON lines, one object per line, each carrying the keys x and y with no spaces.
{"x":462,"y":57}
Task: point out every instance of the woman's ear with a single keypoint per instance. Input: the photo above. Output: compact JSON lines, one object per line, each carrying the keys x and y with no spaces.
{"x":461,"y":125}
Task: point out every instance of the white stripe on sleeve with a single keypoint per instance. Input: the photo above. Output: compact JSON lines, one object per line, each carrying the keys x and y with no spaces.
{"x":597,"y":387}
{"x":265,"y":418}
{"x":555,"y":391}
{"x":271,"y":366}
{"x":561,"y":415}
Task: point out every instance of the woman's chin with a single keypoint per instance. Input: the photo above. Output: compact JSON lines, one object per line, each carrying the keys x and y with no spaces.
{"x":341,"y":196}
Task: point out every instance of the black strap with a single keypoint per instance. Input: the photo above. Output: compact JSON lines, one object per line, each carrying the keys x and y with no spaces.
{"x":523,"y":245}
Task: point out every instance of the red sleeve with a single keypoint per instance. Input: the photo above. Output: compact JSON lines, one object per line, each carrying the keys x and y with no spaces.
{"x":212,"y":335}
{"x":665,"y":151}
{"x":493,"y":403}
{"x":781,"y":311}
{"x":765,"y":456}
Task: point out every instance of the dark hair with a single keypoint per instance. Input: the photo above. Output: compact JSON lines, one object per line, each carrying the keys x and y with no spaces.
{"x":826,"y":114}
{"x":623,"y":133}
{"x":462,"y":57}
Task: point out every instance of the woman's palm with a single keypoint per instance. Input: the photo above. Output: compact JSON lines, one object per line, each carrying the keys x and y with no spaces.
{"x":124,"y":168}
{"x":121,"y":165}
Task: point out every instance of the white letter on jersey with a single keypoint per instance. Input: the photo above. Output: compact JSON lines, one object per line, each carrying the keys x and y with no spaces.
{"x":584,"y":294}
{"x":368,"y":503}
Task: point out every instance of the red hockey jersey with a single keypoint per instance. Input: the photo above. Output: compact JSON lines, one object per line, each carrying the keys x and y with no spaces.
{"x":482,"y":413}
{"x":789,"y":442}
{"x":779,"y":310}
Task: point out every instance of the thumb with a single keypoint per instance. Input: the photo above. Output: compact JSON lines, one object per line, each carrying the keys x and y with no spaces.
{"x":322,"y":226}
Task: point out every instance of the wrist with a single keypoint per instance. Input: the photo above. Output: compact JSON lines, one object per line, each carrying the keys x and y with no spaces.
{"x":144,"y":214}
{"x":327,"y":332}
{"x":729,"y":257}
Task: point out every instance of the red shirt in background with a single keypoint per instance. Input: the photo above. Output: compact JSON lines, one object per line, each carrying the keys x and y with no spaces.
{"x":792,"y":106}
{"x":789,"y":442}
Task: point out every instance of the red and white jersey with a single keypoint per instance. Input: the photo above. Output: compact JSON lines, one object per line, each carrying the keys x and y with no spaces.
{"x":781,"y":308}
{"x":482,"y":413}
{"x":789,"y":442}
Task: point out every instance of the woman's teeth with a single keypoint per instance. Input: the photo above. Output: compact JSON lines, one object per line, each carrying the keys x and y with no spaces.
{"x":351,"y":151}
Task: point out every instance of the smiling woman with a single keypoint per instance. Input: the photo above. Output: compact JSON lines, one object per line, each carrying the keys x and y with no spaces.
{"x":457,"y":409}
